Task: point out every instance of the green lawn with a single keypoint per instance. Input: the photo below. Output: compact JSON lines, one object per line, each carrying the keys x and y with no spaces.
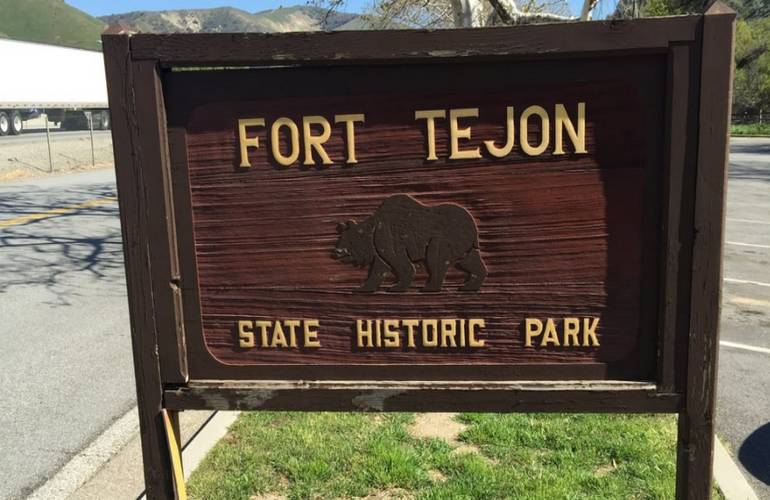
{"x":750,"y":129}
{"x":333,"y":455}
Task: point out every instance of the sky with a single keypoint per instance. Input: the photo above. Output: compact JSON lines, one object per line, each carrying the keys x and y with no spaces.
{"x":102,"y":7}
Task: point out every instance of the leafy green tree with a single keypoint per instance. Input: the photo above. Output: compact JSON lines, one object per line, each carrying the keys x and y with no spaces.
{"x":752,"y":67}
{"x":751,"y":88}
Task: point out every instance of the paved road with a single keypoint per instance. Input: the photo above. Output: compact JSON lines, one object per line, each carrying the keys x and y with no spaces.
{"x":743,"y":405}
{"x":64,"y":341}
{"x":65,"y":354}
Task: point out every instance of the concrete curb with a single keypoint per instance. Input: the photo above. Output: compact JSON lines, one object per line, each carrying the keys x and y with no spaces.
{"x":202,"y":441}
{"x":728,"y":475}
{"x":87,"y":465}
{"x":83,"y":465}
{"x":199,"y":445}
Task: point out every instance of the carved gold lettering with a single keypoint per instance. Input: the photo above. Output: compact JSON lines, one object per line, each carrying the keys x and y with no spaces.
{"x":441,"y":333}
{"x":430,"y":115}
{"x":429,"y":339}
{"x":473,"y":325}
{"x":549,"y":335}
{"x":533,"y":327}
{"x":456,"y":133}
{"x":246,"y":142}
{"x":578,"y":137}
{"x":569,"y":332}
{"x":545,"y":131}
{"x":410,"y":325}
{"x":378,"y":333}
{"x":315,"y":142}
{"x":275,"y":144}
{"x":292,"y":325}
{"x":364,"y":333}
{"x":448,"y":332}
{"x":350,"y":134}
{"x":510,"y":135}
{"x":263,"y":326}
{"x":245,"y":334}
{"x":391,"y":338}
{"x":589,"y":331}
{"x":273,"y":334}
{"x":310,"y":333}
{"x":279,"y":339}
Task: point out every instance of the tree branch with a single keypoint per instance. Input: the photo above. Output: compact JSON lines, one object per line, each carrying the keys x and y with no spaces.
{"x":750,"y":57}
{"x":515,"y":16}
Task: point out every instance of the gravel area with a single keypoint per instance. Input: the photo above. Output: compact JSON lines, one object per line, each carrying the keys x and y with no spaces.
{"x":26,"y":155}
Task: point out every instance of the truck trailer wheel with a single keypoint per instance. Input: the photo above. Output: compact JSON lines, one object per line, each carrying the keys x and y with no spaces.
{"x":16,"y":123}
{"x":5,"y":123}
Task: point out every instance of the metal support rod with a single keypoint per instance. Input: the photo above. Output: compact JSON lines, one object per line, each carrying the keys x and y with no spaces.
{"x":48,"y":139}
{"x":91,"y":130}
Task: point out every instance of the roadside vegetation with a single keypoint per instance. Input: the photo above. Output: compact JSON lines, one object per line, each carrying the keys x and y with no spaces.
{"x":738,"y":129}
{"x":348,"y":455}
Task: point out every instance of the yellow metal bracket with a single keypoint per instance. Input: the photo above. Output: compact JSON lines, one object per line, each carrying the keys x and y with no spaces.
{"x":175,"y":452}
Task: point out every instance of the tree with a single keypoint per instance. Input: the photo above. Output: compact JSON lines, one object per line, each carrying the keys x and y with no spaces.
{"x":751,"y":88}
{"x":465,"y":13}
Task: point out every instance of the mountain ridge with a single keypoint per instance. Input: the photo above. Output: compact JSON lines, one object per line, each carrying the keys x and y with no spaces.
{"x":58,"y":23}
{"x":231,"y":19}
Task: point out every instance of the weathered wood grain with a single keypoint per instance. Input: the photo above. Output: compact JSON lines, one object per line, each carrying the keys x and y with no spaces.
{"x":263,"y":235}
{"x":134,"y":215}
{"x":678,"y":209}
{"x":414,"y":46}
{"x":696,"y":423}
{"x":161,"y":226}
{"x":497,"y":396}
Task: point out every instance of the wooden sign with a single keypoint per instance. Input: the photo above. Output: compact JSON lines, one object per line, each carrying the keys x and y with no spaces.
{"x":508,"y":219}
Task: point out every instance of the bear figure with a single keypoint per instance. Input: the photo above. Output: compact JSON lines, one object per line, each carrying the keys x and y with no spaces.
{"x":403,"y":231}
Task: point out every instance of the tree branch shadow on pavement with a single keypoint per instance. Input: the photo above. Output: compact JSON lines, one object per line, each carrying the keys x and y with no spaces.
{"x":751,"y":170}
{"x":63,"y":252}
{"x":754,"y":453}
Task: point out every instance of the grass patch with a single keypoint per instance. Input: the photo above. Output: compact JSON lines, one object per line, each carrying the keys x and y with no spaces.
{"x":334,"y":455}
{"x":750,"y":129}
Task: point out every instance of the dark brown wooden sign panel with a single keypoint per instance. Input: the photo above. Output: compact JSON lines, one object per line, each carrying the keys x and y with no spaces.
{"x":566,"y":237}
{"x":515,"y":219}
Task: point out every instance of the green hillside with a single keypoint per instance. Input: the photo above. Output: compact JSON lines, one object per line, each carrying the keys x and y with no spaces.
{"x":49,"y":21}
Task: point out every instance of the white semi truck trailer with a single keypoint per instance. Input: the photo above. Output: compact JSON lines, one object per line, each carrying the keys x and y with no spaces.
{"x":67,"y":85}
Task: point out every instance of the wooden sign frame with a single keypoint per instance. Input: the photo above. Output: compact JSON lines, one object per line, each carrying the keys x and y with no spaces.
{"x":156,"y":228}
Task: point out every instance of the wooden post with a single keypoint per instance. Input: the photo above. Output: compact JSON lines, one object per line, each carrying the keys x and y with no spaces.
{"x":132,"y":197}
{"x":695,"y":448}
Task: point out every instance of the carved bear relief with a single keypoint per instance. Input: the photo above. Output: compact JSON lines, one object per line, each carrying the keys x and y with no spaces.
{"x":402,"y":232}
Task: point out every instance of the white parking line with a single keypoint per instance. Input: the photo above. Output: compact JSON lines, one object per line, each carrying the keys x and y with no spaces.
{"x":749,"y":221}
{"x":752,"y":245}
{"x":745,"y":347}
{"x":745,"y":282}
